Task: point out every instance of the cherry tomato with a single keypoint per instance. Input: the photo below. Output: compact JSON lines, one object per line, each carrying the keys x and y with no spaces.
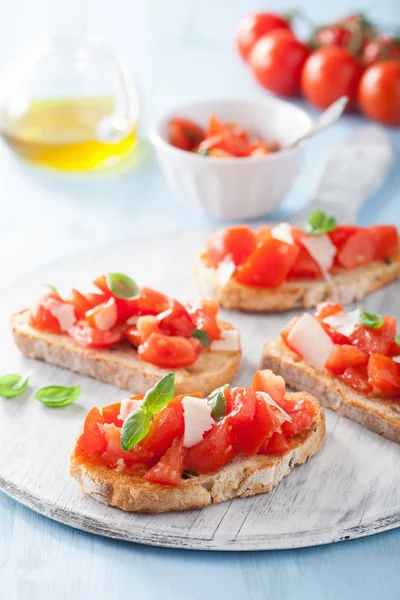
{"x":341,"y":233}
{"x":235,"y":243}
{"x":386,"y":241}
{"x":269,"y":264}
{"x":357,"y":378}
{"x":254,"y":26}
{"x":375,"y":341}
{"x":277,"y":60}
{"x":343,"y":356}
{"x":384,"y":375}
{"x":204,"y":318}
{"x":359,"y":249}
{"x":383,"y":47}
{"x":267,"y":381}
{"x":91,"y":442}
{"x":169,"y":352}
{"x":213,"y":452}
{"x":278,"y":443}
{"x":169,"y":469}
{"x":379,"y":92}
{"x":328,"y":74}
{"x":87,"y":336}
{"x":185,"y":134}
{"x":103,"y":316}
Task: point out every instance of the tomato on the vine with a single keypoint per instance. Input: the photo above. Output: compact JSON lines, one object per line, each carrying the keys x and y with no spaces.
{"x":254,"y":26}
{"x":383,"y":47}
{"x":379,"y":92}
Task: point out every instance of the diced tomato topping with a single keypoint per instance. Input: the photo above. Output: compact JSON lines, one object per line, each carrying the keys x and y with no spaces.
{"x":341,"y":233}
{"x":386,"y":241}
{"x":204,"y":317}
{"x":384,"y":375}
{"x":167,"y":425}
{"x":215,"y":126}
{"x":41,"y":316}
{"x":287,"y":329}
{"x":267,"y":381}
{"x":235,"y":243}
{"x":110,"y":414}
{"x":146,"y":325}
{"x":87,"y":336}
{"x":328,"y":309}
{"x":176,"y":321}
{"x":302,"y":414}
{"x":269,"y":264}
{"x":133,"y":336}
{"x":278,"y":443}
{"x":168,"y":470}
{"x":94,"y":299}
{"x":169,"y":352}
{"x":103,"y":316}
{"x":357,"y":378}
{"x":136,"y":457}
{"x":91,"y":442}
{"x":343,"y":356}
{"x":150,"y":302}
{"x":80,"y":303}
{"x":359,"y":249}
{"x":375,"y":341}
{"x":305,"y":266}
{"x":213,"y":452}
{"x":185,"y":134}
{"x":101,"y":283}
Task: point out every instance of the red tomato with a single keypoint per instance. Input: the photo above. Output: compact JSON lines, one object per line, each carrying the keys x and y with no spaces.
{"x":135,"y":457}
{"x":384,"y":375}
{"x":176,"y":321}
{"x":169,"y":469}
{"x":185,"y":134}
{"x":328,"y":74}
{"x":204,"y":318}
{"x":254,"y":26}
{"x":235,"y":243}
{"x":305,"y":266}
{"x":169,"y":352}
{"x":386,"y":240}
{"x":379,"y":92}
{"x":334,"y":35}
{"x":146,"y":325}
{"x":357,"y":378}
{"x":91,"y":442}
{"x":95,"y":299}
{"x":167,"y":425}
{"x":277,"y":60}
{"x":101,"y":283}
{"x":345,"y":356}
{"x":287,"y":329}
{"x":219,"y":153}
{"x":341,"y":234}
{"x":277,"y":444}
{"x":302,"y":414}
{"x":110,"y":414}
{"x":42,"y":318}
{"x":359,"y":249}
{"x":375,"y":341}
{"x":269,"y":264}
{"x":215,"y":126}
{"x":213,"y":452}
{"x":133,"y":336}
{"x":80,"y":303}
{"x":383,"y":47}
{"x":267,"y":381}
{"x":150,"y":302}
{"x":228,"y":141}
{"x":87,"y":336}
{"x":103,"y":316}
{"x":327,"y":309}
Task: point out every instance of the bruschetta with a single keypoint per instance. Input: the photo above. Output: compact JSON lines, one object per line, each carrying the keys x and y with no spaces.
{"x":349,"y":360}
{"x":160,"y":452}
{"x":283,"y":267}
{"x":130,"y":337}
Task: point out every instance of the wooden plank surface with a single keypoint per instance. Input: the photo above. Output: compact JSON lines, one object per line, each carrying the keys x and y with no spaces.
{"x":349,"y":489}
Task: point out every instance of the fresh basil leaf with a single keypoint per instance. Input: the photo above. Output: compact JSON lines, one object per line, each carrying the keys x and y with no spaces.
{"x":217,"y":402}
{"x":319,"y":222}
{"x":135,"y":428}
{"x":13,"y":385}
{"x":158,"y":396}
{"x":370,"y":320}
{"x":122,"y":286}
{"x":202,"y":336}
{"x":57,"y":395}
{"x":397,"y":340}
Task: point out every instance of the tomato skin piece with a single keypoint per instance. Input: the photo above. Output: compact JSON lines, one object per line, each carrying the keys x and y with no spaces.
{"x":213,"y":452}
{"x":302,"y":414}
{"x":341,"y":233}
{"x":146,"y":325}
{"x":237,"y":243}
{"x":328,"y":74}
{"x":169,"y":352}
{"x":168,"y":470}
{"x":167,"y":425}
{"x":384,"y":375}
{"x":103,"y":316}
{"x":375,"y":341}
{"x":110,"y":414}
{"x":204,"y":318}
{"x":343,"y":356}
{"x":89,"y":337}
{"x":269,"y":264}
{"x":274,"y":385}
{"x":254,"y":26}
{"x":305,"y":266}
{"x":383,"y":47}
{"x":185,"y":134}
{"x":278,"y":443}
{"x":176,"y":322}
{"x":327,"y":309}
{"x":357,"y":378}
{"x":359,"y":249}
{"x":277,"y":60}
{"x":91,"y":442}
{"x":379,"y":92}
{"x":386,"y":239}
{"x":80,"y":303}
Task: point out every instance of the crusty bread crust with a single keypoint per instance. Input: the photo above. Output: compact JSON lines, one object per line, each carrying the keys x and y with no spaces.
{"x":244,"y":476}
{"x":348,"y":286}
{"x":381,"y":415}
{"x":121,"y":366}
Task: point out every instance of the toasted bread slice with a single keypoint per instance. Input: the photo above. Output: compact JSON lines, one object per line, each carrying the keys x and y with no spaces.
{"x":347,"y":286}
{"x":381,"y":415}
{"x":120,"y":365}
{"x":244,"y":476}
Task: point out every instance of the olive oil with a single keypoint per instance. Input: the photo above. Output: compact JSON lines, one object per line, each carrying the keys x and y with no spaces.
{"x":72,"y":135}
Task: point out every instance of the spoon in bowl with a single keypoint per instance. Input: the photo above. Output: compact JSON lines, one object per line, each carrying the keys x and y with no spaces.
{"x":328,"y":118}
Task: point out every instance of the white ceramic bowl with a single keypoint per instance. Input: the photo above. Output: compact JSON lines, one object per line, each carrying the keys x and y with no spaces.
{"x":235,"y":188}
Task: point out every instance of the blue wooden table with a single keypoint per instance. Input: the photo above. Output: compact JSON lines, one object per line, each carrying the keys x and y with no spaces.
{"x":180,"y":50}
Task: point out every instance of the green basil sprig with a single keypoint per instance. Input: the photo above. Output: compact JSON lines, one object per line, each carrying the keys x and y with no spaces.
{"x":57,"y":395}
{"x":217,"y":402}
{"x":319,"y":222}
{"x":370,"y":320}
{"x":137,"y":425}
{"x":202,"y":336}
{"x":13,"y":385}
{"x":122,"y":286}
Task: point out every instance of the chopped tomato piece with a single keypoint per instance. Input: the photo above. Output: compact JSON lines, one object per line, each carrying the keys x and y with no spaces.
{"x":169,"y":352}
{"x":220,"y":153}
{"x":113,"y":453}
{"x":343,"y":356}
{"x":384,"y":375}
{"x":204,"y":318}
{"x":375,"y":341}
{"x":169,"y":469}
{"x":211,"y":305}
{"x":146,"y":325}
{"x":176,"y":321}
{"x":278,"y":443}
{"x":215,"y":126}
{"x":42,"y":318}
{"x":94,"y":299}
{"x":80,"y":303}
{"x":133,"y":336}
{"x":267,"y":381}
{"x":235,"y":243}
{"x":228,"y":142}
{"x":167,"y":425}
{"x":91,"y":442}
{"x":185,"y":134}
{"x":357,"y":378}
{"x":302,"y":414}
{"x":341,"y":233}
{"x":101,"y":283}
{"x":103,"y":316}
{"x":328,"y":309}
{"x":386,"y":240}
{"x":213,"y":452}
{"x":287,"y":329}
{"x":87,"y":336}
{"x":150,"y":302}
{"x":359,"y":249}
{"x":269,"y":264}
{"x":305,"y":266}
{"x":110,"y":414}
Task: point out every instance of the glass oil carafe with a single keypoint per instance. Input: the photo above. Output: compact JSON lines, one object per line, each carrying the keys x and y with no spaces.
{"x":69,"y":103}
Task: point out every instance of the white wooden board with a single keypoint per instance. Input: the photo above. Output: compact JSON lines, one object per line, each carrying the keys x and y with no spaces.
{"x":350,"y":489}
